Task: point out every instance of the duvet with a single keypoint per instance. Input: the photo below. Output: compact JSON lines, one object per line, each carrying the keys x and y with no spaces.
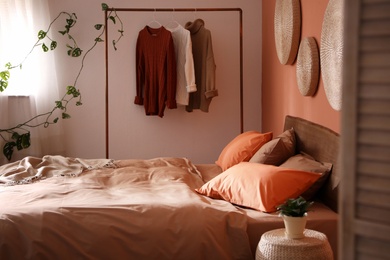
{"x":63,"y":208}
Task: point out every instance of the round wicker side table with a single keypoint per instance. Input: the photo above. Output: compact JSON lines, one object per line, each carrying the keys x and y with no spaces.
{"x":275,"y":245}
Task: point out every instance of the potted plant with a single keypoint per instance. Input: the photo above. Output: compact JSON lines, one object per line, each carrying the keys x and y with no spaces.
{"x":294,"y":214}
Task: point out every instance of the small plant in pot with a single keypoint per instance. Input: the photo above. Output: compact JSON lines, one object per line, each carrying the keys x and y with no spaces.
{"x":294,"y":213}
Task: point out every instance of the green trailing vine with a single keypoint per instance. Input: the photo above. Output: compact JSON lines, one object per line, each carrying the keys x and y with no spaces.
{"x":20,"y":135}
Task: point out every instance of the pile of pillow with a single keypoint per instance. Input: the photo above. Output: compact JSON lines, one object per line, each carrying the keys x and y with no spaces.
{"x":260,"y":172}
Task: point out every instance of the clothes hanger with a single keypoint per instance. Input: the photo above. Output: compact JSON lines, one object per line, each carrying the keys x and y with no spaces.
{"x":194,"y":16}
{"x":172,"y":23}
{"x":154,"y":23}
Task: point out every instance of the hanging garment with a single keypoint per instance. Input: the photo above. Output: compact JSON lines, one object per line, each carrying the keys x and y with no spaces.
{"x":185,"y":64}
{"x":156,"y":71}
{"x":205,"y":67}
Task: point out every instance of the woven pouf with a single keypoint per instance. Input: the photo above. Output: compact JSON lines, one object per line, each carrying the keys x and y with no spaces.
{"x":275,"y":245}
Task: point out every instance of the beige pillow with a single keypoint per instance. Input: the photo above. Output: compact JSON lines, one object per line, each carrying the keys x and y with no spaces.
{"x":305,"y":162}
{"x":276,"y":151}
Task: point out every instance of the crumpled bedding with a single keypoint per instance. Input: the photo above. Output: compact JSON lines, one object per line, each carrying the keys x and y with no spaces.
{"x":31,"y":169}
{"x":134,"y":209}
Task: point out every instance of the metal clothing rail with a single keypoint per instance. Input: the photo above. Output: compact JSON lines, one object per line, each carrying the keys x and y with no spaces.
{"x":239,"y":10}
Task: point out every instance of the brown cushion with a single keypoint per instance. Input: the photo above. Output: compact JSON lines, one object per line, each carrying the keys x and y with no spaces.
{"x":305,"y":162}
{"x":276,"y":151}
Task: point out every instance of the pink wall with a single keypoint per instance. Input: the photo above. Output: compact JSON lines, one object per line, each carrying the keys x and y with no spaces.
{"x":280,"y":93}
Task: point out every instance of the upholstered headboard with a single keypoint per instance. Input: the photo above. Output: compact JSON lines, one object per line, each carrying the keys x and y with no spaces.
{"x":323,"y":144}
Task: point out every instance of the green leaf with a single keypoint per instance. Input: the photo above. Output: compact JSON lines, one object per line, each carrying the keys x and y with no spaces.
{"x":62,"y":32}
{"x":70,"y":22}
{"x":41,"y":34}
{"x":8,"y":65}
{"x":3,"y":85}
{"x":104,"y":6}
{"x":53,"y":45}
{"x":19,"y":143}
{"x":59,"y":105}
{"x":98,"y":26}
{"x":76,"y":94}
{"x":112,"y":18}
{"x":26,"y":140}
{"x":98,"y":40}
{"x":294,"y":207}
{"x":5,"y":75}
{"x":70,"y":90}
{"x":55,"y":120}
{"x":15,"y":136}
{"x":45,"y":48}
{"x":65,"y":116}
{"x":76,"y":52}
{"x":114,"y":44}
{"x":8,"y":150}
{"x":23,"y":141}
{"x":78,"y":103}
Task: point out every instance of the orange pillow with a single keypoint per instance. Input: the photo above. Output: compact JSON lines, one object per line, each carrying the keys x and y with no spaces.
{"x":242,"y":148}
{"x":258,"y":186}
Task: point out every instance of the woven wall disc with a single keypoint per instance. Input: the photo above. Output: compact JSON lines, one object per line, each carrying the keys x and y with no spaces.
{"x":331,"y":52}
{"x":287,"y":26}
{"x":308,"y":67}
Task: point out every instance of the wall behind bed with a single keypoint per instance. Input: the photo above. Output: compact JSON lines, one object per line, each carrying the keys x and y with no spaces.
{"x":198,"y":136}
{"x":280,"y":94}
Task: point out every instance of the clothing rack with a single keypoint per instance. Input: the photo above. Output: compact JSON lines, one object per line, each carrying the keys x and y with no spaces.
{"x":239,"y":10}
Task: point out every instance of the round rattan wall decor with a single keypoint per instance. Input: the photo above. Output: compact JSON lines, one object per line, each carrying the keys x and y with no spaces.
{"x":331,"y":52}
{"x":308,"y":67}
{"x":287,"y":26}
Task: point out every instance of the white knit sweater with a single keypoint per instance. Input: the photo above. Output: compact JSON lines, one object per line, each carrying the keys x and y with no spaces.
{"x":185,"y":64}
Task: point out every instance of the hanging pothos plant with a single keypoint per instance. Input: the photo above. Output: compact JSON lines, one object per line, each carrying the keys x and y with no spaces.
{"x":20,"y":135}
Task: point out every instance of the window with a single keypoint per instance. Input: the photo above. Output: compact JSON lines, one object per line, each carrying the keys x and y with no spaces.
{"x":20,"y":22}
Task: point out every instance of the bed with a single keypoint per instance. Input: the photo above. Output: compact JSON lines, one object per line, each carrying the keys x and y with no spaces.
{"x":56,"y":207}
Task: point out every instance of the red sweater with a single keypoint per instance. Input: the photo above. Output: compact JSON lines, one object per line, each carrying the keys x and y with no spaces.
{"x":156,"y":70}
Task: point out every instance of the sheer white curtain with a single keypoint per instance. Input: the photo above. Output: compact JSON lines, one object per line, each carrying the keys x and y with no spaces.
{"x":33,"y":89}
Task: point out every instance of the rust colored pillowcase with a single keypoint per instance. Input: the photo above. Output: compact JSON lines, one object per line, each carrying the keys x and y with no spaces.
{"x":258,"y":186}
{"x":278,"y":150}
{"x":242,"y":148}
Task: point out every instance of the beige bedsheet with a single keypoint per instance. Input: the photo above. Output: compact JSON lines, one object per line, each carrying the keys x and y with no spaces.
{"x":141,"y":209}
